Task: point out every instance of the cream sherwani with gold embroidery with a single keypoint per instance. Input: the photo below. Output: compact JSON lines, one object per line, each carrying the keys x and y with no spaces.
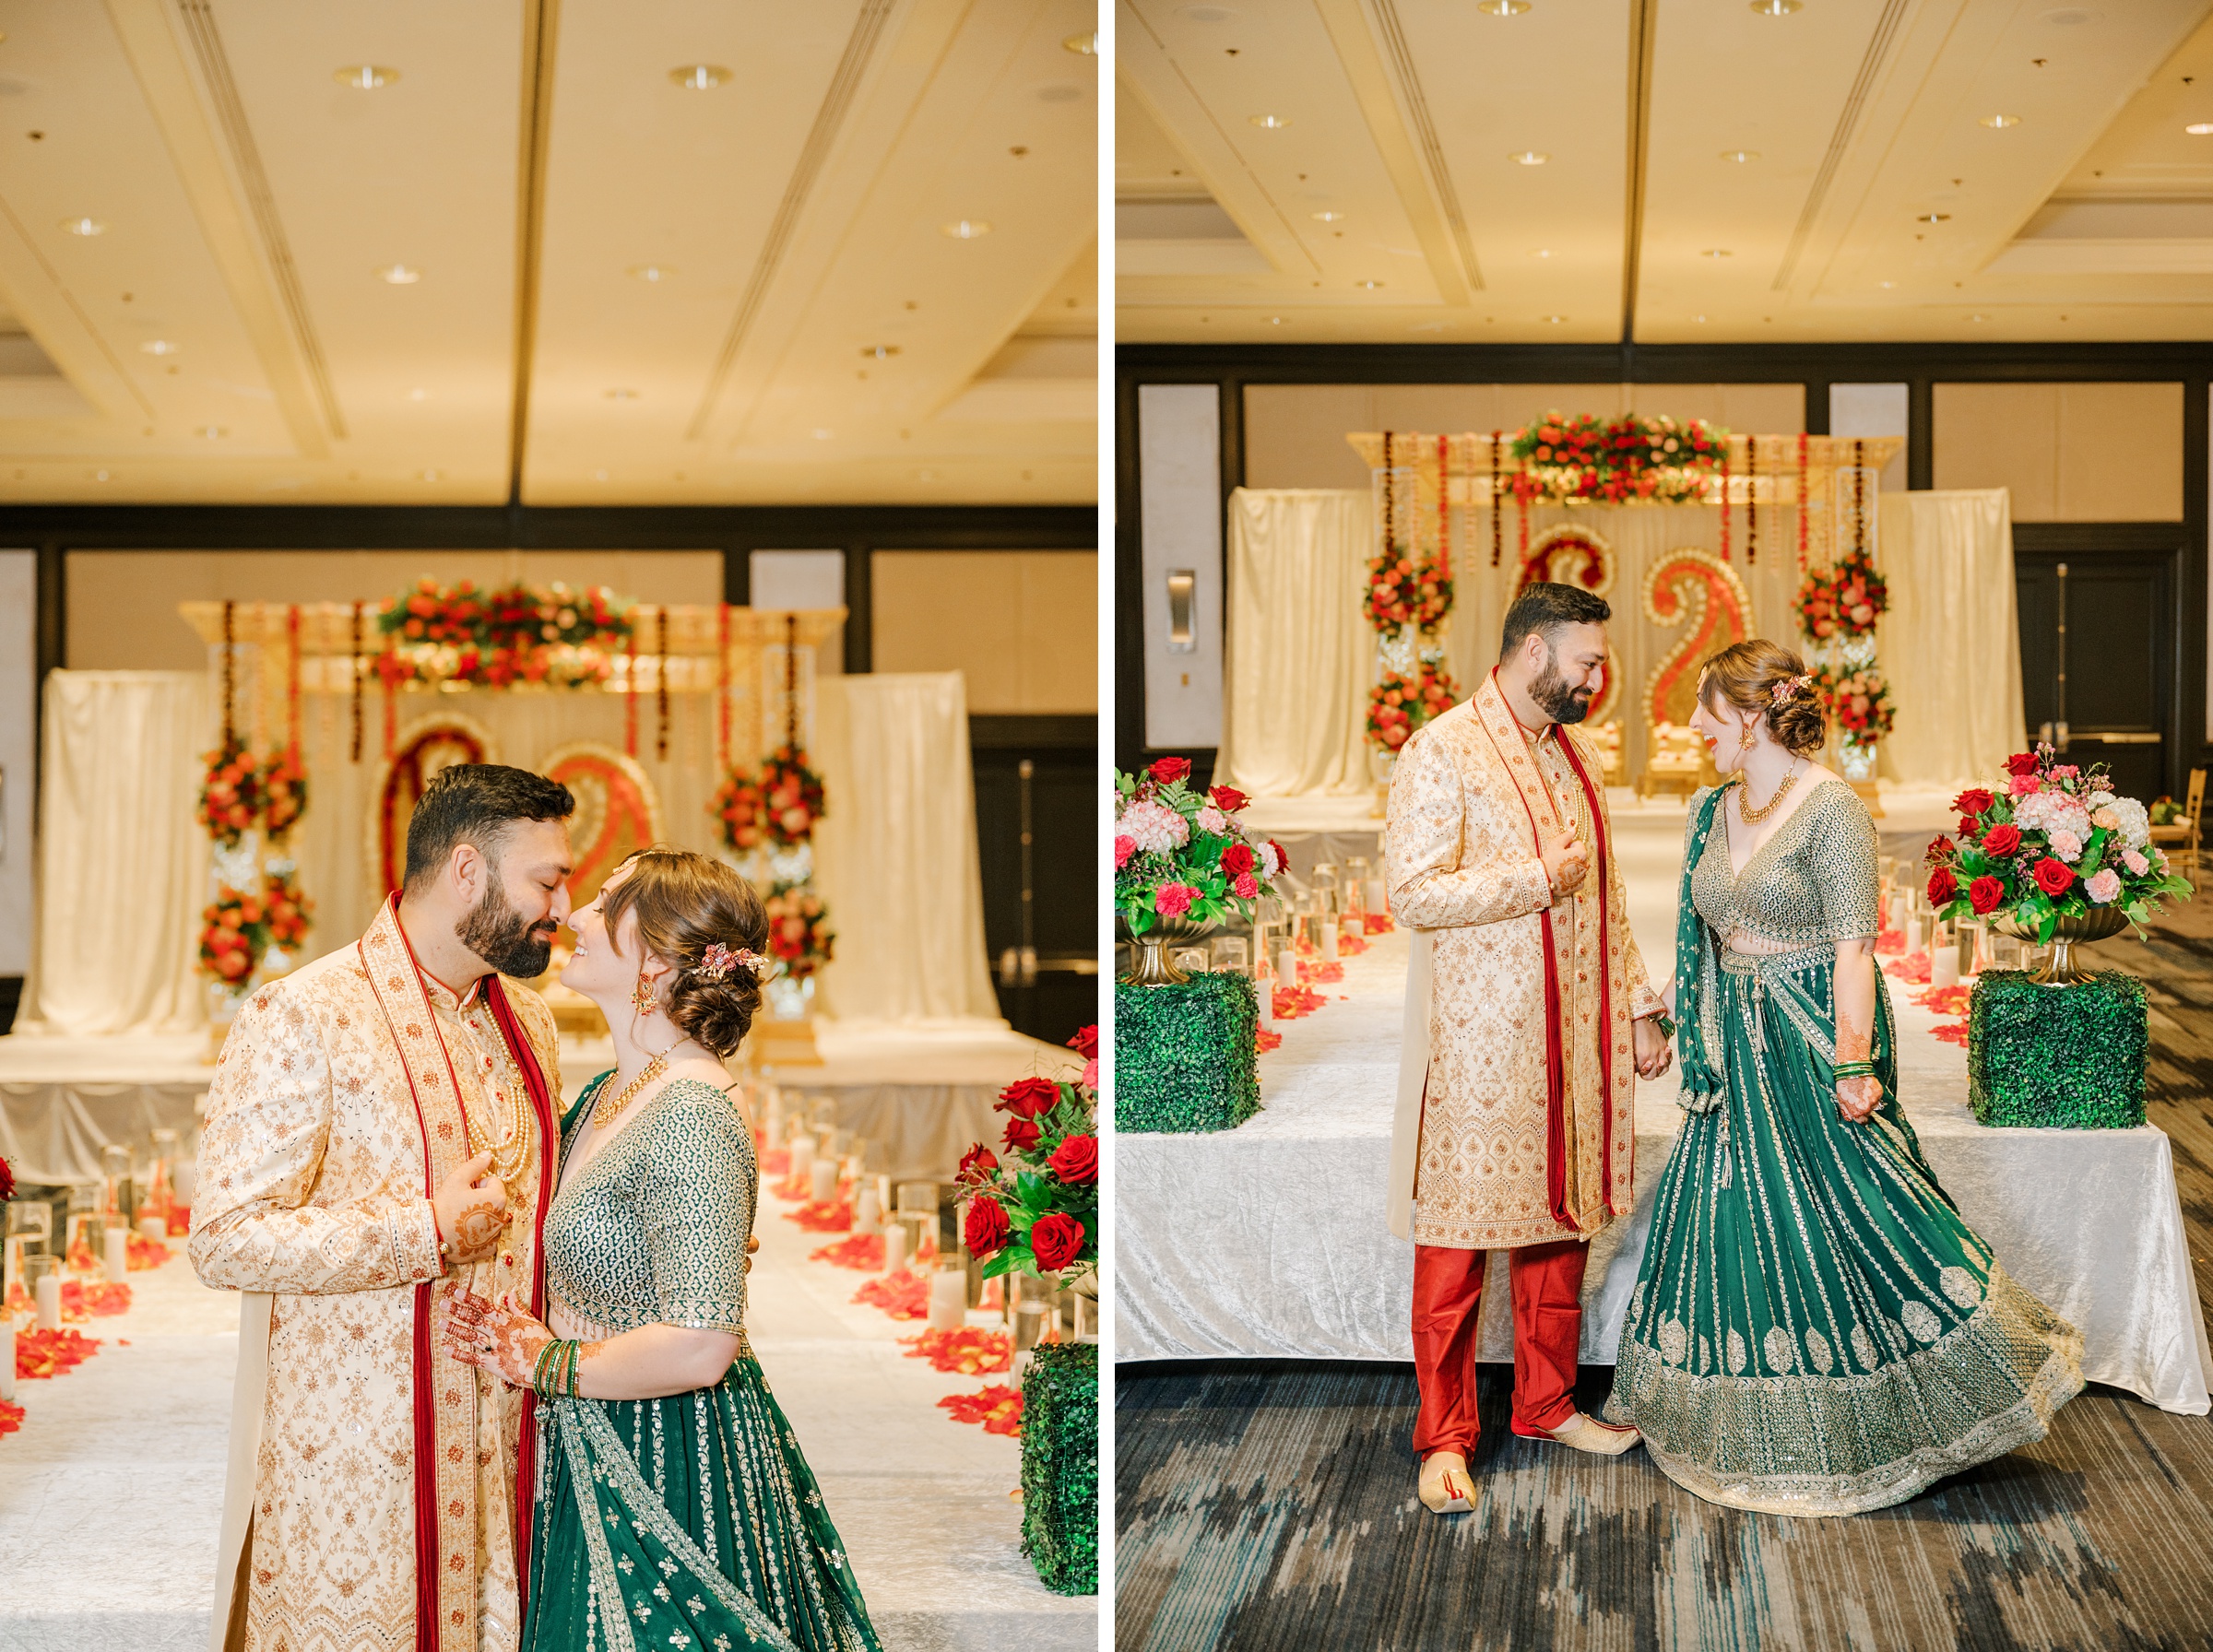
{"x":1517,"y":1081}
{"x":344,"y":1093}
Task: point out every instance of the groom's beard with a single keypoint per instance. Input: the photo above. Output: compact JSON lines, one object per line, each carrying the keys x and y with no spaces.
{"x":504,"y":938}
{"x":1555,"y":699}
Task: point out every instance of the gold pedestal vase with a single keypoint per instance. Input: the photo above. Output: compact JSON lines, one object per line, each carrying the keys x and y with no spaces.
{"x":1152,"y":966}
{"x":2073,"y":929}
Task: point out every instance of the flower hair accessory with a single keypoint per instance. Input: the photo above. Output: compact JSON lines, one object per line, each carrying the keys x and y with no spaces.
{"x":718,"y":960}
{"x":1791,"y":687}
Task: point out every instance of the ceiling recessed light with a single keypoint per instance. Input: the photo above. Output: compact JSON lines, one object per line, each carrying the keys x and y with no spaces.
{"x":879,"y":352}
{"x":159,"y":347}
{"x":1998,"y":122}
{"x":1698,"y":318}
{"x":651,"y":272}
{"x":966,"y":229}
{"x":1367,"y":286}
{"x":1933,"y":217}
{"x":1502,"y":8}
{"x":1775,"y":8}
{"x":1978,"y":318}
{"x":700,"y":77}
{"x":1556,"y":320}
{"x":2199,"y":128}
{"x":1741,"y":157}
{"x":1275,"y":321}
{"x":97,"y":476}
{"x":83,"y":226}
{"x":821,"y":435}
{"x":1327,"y":217}
{"x":432,"y":475}
{"x":1083,"y":45}
{"x":398,"y":275}
{"x":1717,"y":253}
{"x":1269,"y":123}
{"x":1886,"y":285}
{"x":365,"y":76}
{"x":419,"y":394}
{"x":1540,"y":251}
{"x":1530,"y":156}
{"x":621,"y":395}
{"x":214,"y":433}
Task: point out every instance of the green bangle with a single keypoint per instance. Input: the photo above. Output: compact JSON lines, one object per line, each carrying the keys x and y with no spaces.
{"x":576,"y":1370}
{"x":1854,"y":1069}
{"x":537,"y":1370}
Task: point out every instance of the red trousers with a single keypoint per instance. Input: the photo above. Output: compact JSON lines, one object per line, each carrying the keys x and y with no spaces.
{"x":1547,"y":1285}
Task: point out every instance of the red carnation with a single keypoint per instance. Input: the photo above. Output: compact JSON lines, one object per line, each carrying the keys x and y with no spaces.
{"x":1172,"y":900}
{"x":1972,"y":801}
{"x":2001,"y":840}
{"x":987,"y":1228}
{"x":977,"y":1165}
{"x":1029,"y":1098}
{"x":1169,"y":769}
{"x":1227,"y":798}
{"x":1985,"y":893}
{"x":1076,"y":1160}
{"x":2053,"y":877}
{"x":1237,"y":858}
{"x":1022,"y":1135}
{"x":1086,"y":1042}
{"x":1942,"y":886}
{"x":1124,"y":847}
{"x":1057,"y":1240}
{"x":2021,"y":762}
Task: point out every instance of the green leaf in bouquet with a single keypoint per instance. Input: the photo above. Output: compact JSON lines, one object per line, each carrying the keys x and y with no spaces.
{"x":1014,"y":1259}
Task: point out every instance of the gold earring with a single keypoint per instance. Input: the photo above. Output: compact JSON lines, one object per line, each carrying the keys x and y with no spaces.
{"x":641,"y":996}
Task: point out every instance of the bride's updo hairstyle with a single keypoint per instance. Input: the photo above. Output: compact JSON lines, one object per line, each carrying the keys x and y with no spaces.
{"x":1760,"y":676}
{"x":685,"y":904}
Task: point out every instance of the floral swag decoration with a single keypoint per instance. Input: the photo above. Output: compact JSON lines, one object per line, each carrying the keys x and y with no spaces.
{"x":1630,"y":460}
{"x":1178,"y":853}
{"x":1036,"y":1210}
{"x":2055,"y":841}
{"x":552,"y":635}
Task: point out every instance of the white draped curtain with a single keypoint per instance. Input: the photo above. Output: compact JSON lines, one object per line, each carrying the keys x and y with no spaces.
{"x":123,"y":865}
{"x":895,"y":854}
{"x":1951,"y":643}
{"x":1300,"y":651}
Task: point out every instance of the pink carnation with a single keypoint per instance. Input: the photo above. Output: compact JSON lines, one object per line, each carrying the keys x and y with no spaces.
{"x":1124,"y":847}
{"x":2103,"y":888}
{"x":2066,"y":845}
{"x":1090,"y":1074}
{"x":2135,"y":863}
{"x":2023,"y":784}
{"x":1247,"y":888}
{"x":1172,"y":900}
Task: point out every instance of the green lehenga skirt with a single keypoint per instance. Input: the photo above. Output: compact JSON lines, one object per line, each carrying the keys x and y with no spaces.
{"x":690,"y":1522}
{"x":1814,"y":1330}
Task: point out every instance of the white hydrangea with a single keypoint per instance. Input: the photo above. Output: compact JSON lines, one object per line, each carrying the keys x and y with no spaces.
{"x":2051,"y":811}
{"x":2131,"y":821}
{"x":1152,"y":826}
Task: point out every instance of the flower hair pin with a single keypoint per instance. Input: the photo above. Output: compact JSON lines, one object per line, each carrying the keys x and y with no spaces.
{"x":1790,"y":687}
{"x":718,"y":960}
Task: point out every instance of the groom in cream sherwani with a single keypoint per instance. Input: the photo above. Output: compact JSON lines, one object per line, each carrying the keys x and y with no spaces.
{"x":1528,"y":1019}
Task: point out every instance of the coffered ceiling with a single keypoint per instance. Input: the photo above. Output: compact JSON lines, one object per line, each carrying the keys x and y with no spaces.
{"x":1583,"y":170}
{"x":575,"y":252}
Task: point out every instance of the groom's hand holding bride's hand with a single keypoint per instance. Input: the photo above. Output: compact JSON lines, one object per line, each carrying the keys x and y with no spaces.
{"x":501,"y":1337}
{"x":1655,"y":1054}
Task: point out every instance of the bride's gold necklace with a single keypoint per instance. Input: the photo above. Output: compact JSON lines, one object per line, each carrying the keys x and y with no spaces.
{"x":605,"y":1112}
{"x":1753,"y":817}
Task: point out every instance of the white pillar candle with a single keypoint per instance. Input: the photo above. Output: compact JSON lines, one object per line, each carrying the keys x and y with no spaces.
{"x":824,"y":1174}
{"x":1900,"y":903}
{"x":949,"y":1299}
{"x":1351,"y":924}
{"x":50,"y":1303}
{"x":1264,"y":995}
{"x":1286,"y":967}
{"x":153,"y":1227}
{"x":7,"y":1359}
{"x":119,"y":1256}
{"x":1943,"y":963}
{"x":1329,"y":943}
{"x":895,"y":1247}
{"x":772,"y":1114}
{"x":803,"y":1155}
{"x":868,"y":1212}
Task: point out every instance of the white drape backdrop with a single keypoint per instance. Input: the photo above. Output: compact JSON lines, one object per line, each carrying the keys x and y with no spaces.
{"x":1301,"y":651}
{"x":123,"y":868}
{"x":895,"y":854}
{"x":1950,"y":644}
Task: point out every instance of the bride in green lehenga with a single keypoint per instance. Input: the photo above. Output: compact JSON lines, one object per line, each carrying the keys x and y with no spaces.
{"x":1815,"y":1329}
{"x":674,"y":1509}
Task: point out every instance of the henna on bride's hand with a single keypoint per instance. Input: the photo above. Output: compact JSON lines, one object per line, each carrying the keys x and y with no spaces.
{"x":506,"y":1343}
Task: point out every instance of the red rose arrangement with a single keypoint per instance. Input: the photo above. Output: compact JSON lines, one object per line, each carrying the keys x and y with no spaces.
{"x":1403,"y":592}
{"x":1630,"y":460}
{"x":791,"y":797}
{"x":742,"y":811}
{"x":1184,"y":854}
{"x":800,"y":935}
{"x":1859,"y":700}
{"x":2055,"y":841}
{"x":1399,"y":704}
{"x":234,"y":933}
{"x":1036,"y":1210}
{"x":1845,"y":601}
{"x":289,"y":914}
{"x":231,"y":797}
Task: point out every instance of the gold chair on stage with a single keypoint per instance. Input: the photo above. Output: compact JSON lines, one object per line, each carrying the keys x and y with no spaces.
{"x":2182,"y":839}
{"x":1674,"y":762}
{"x":1606,"y":737}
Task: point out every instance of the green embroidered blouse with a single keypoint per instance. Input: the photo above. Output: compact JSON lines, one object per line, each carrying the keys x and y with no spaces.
{"x":652,"y":1230}
{"x":1813,"y":882}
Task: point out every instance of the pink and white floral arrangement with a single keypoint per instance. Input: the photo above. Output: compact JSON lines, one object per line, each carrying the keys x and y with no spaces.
{"x":1180,"y":854}
{"x":2057,"y":841}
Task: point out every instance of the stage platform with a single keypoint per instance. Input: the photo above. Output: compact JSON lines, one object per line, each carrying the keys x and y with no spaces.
{"x":922,"y":1091}
{"x":112,"y":1491}
{"x":1269,"y":1241}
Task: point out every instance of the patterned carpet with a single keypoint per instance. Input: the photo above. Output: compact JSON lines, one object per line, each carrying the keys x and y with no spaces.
{"x":1267,"y":1505}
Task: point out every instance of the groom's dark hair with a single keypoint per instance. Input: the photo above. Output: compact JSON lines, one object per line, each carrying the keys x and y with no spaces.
{"x":1545,"y":607}
{"x":476,"y":803}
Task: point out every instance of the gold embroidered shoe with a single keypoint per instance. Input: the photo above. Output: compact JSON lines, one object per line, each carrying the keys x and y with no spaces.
{"x":1446,"y":1488}
{"x":1587,"y":1433}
